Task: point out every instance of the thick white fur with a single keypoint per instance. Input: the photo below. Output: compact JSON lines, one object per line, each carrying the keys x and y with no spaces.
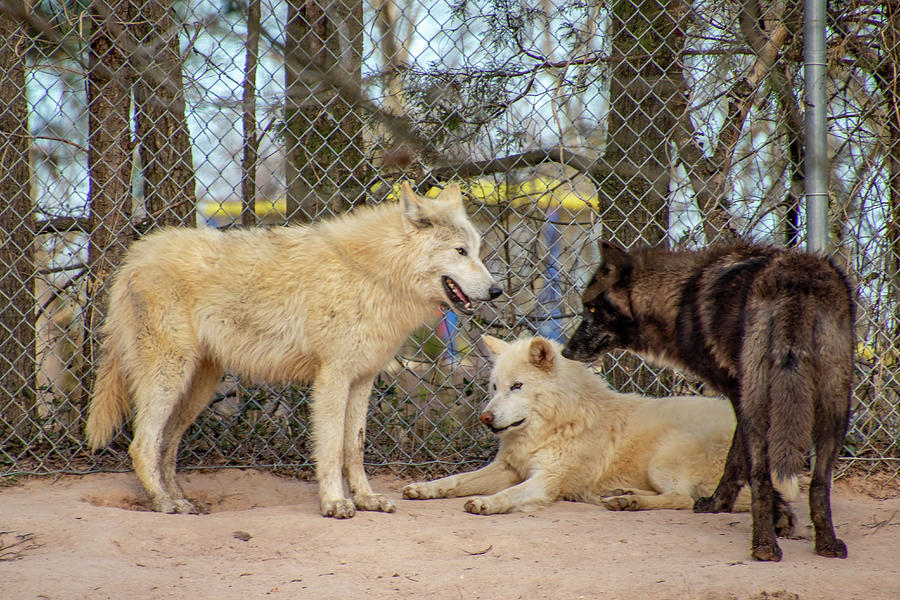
{"x":329,"y":304}
{"x":579,"y":440}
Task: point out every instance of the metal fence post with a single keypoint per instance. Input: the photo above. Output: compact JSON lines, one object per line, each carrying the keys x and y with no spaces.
{"x":816,"y":176}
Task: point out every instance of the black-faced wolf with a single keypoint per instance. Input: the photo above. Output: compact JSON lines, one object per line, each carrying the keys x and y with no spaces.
{"x":770,"y":328}
{"x":328,"y":303}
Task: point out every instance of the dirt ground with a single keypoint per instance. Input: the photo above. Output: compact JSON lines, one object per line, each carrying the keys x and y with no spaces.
{"x":91,"y":537}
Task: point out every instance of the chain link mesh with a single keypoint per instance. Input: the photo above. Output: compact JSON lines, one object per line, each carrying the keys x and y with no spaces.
{"x":641,"y":121}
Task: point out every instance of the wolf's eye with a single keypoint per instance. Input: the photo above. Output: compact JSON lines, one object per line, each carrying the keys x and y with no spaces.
{"x":591,"y":309}
{"x":462,"y":251}
{"x":517,"y":385}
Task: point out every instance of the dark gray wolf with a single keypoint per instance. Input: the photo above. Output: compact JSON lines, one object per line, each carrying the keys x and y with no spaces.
{"x":328,"y":303}
{"x":772,"y":329}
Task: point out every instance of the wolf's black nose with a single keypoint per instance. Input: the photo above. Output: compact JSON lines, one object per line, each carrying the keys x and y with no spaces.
{"x":494,"y":292}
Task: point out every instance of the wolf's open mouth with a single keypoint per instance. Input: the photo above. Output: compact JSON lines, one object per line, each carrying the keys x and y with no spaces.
{"x":511,"y":425}
{"x":456,"y":296}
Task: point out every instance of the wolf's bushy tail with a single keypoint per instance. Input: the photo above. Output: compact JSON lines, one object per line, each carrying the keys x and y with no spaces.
{"x":779,"y":387}
{"x":109,"y":405}
{"x":791,"y":414}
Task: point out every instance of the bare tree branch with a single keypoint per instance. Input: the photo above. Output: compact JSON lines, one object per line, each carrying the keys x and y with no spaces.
{"x":709,"y":175}
{"x":595,"y":168}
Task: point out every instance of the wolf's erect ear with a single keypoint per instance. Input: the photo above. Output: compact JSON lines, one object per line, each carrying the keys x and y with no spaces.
{"x":415,"y":212}
{"x":541,"y":354}
{"x":452,"y":196}
{"x":615,"y":269}
{"x":495,"y":345}
{"x":615,"y":261}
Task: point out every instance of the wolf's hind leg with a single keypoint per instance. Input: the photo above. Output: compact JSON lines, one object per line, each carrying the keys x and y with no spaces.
{"x":194,"y":400}
{"x":832,"y":408}
{"x":155,"y":400}
{"x":828,"y":439}
{"x":354,"y":445}
{"x":764,"y":543}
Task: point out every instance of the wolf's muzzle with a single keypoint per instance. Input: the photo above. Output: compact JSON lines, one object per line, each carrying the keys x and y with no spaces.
{"x":584,"y":347}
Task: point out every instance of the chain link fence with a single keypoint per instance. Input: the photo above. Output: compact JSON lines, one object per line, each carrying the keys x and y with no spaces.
{"x":567,"y":122}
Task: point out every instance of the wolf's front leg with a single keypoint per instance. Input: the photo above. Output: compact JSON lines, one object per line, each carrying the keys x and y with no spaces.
{"x":354,"y":443}
{"x":534,"y":492}
{"x":487,"y":480}
{"x":647,"y":500}
{"x":330,"y":395}
{"x":734,"y":476}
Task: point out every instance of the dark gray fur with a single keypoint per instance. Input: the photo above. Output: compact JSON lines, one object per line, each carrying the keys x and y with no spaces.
{"x":770,"y":328}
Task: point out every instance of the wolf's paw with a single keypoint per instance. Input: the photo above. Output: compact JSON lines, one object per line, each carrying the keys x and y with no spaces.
{"x":480,"y":506}
{"x":183,"y":506}
{"x":420,"y":491}
{"x":784,"y":520}
{"x":339,"y":509}
{"x":625,"y":502}
{"x":171,"y":506}
{"x":769,"y":552}
{"x":832,"y":549}
{"x":711,"y":504}
{"x":376,"y":502}
{"x":164,"y":505}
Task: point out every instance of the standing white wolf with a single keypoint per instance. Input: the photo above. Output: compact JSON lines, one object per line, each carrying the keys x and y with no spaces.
{"x":328,"y":304}
{"x":564,"y":434}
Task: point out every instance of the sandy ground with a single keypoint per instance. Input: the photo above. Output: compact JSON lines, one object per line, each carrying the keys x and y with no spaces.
{"x":91,"y":537}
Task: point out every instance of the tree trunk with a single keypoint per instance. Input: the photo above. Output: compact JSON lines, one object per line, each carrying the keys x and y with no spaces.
{"x":889,"y":83}
{"x":109,"y":163}
{"x":323,"y":133}
{"x":248,"y":118}
{"x":642,"y":61}
{"x":162,"y":131}
{"x":17,"y":306}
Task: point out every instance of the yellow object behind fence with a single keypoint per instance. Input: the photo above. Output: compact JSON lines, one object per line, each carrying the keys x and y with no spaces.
{"x":540,"y":192}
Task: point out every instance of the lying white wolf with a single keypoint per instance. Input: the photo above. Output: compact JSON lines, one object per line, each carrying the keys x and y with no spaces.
{"x":329,"y":303}
{"x":564,"y":434}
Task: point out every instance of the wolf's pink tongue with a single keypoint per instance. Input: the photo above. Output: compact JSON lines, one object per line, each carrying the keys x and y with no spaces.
{"x":459,"y":293}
